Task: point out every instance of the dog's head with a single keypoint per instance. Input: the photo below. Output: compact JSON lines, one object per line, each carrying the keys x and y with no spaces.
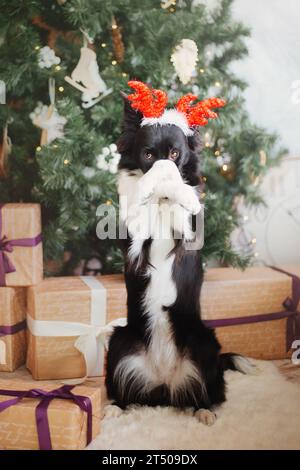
{"x":140,"y":147}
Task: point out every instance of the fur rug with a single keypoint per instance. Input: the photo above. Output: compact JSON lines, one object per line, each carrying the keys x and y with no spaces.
{"x":261,"y":412}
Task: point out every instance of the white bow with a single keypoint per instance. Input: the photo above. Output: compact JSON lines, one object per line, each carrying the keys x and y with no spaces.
{"x":91,"y":342}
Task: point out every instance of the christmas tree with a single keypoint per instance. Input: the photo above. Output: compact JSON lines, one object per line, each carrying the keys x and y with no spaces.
{"x":63,"y":131}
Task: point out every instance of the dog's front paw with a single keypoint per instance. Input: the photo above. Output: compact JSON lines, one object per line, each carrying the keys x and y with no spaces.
{"x":146,"y":188}
{"x":166,"y":170}
{"x":206,"y":416}
{"x":188,"y":199}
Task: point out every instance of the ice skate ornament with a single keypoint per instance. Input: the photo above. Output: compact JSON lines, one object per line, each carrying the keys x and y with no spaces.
{"x":184,"y":59}
{"x":86,"y":78}
{"x":186,"y":115}
{"x":48,"y":119}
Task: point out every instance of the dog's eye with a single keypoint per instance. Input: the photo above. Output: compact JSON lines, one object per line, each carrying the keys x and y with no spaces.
{"x":174,"y":154}
{"x":148,"y":156}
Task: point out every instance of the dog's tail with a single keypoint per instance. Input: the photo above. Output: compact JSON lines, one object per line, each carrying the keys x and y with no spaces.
{"x":232,"y":361}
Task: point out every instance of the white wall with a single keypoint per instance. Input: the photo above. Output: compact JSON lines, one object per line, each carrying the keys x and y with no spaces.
{"x":273,"y":66}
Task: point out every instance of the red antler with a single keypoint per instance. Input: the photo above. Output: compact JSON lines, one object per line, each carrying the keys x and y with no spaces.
{"x":151,"y":103}
{"x":199,"y":114}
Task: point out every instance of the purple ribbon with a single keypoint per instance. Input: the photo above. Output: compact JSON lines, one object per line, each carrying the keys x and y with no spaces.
{"x":290,"y":304}
{"x":7,"y":246}
{"x":41,"y":416}
{"x":13,"y":329}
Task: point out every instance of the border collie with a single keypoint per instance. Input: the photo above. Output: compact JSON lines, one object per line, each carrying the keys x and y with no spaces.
{"x":165,"y":355}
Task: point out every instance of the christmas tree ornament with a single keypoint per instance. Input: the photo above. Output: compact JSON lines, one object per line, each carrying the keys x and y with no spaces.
{"x":47,"y":58}
{"x":48,"y":119}
{"x":92,"y":267}
{"x":117,"y":40}
{"x":184,"y":58}
{"x":186,"y":115}
{"x":224,"y":159}
{"x":5,"y":149}
{"x":165,"y":4}
{"x":86,"y":77}
{"x":88,"y":172}
{"x":108,"y":159}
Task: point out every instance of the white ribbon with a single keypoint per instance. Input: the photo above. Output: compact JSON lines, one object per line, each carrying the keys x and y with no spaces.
{"x":91,"y":342}
{"x":92,"y":338}
{"x":2,"y":352}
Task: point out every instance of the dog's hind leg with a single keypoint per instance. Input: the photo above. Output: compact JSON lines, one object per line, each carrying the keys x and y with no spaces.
{"x":112,"y":411}
{"x":206,"y":416}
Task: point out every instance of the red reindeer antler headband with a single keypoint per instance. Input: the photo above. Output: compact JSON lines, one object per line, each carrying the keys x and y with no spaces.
{"x":152,"y":104}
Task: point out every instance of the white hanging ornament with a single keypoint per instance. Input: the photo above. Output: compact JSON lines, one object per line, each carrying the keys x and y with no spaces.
{"x":86,"y":77}
{"x":184,"y":59}
{"x":47,"y":58}
{"x":108,"y":159}
{"x":48,"y":119}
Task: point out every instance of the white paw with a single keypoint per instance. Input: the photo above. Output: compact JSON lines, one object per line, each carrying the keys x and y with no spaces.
{"x":146,"y":188}
{"x":166,"y":170}
{"x":188,"y":199}
{"x":112,"y":411}
{"x":206,"y":416}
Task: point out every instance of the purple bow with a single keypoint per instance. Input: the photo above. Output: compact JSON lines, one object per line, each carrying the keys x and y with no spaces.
{"x":7,"y":246}
{"x":290,"y":304}
{"x":41,"y":415}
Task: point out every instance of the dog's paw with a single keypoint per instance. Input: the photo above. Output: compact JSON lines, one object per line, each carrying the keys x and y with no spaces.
{"x":188,"y":199}
{"x":166,"y":170}
{"x":206,"y":416}
{"x":146,"y":188}
{"x":112,"y":411}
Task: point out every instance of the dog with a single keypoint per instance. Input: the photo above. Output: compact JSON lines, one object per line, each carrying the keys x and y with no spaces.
{"x":165,"y":356}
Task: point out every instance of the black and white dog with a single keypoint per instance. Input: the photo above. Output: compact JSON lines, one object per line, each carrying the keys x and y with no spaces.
{"x":165,"y":355}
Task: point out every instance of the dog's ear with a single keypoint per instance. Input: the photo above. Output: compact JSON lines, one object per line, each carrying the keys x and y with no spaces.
{"x":191,"y":169}
{"x":130,"y":125}
{"x":132,"y":118}
{"x":194,"y":142}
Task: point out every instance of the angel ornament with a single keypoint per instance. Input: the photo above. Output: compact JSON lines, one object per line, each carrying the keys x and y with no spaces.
{"x":86,"y":78}
{"x":184,"y":59}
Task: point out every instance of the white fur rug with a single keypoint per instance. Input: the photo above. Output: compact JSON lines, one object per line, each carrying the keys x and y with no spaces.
{"x":261,"y":412}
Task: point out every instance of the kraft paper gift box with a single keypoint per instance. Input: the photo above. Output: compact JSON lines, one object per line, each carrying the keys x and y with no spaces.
{"x":48,"y":416}
{"x":21,"y":254}
{"x":68,"y":320}
{"x":12,"y":328}
{"x":254,"y":312}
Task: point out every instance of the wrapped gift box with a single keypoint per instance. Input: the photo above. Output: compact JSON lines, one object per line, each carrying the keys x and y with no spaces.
{"x":12,"y":328}
{"x":48,"y":416}
{"x":21,"y":255}
{"x":254,"y":312}
{"x":68,"y":319}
